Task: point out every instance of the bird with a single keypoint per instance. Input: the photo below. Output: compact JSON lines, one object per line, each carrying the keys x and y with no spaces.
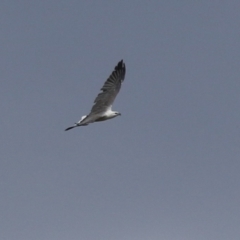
{"x":102,"y":108}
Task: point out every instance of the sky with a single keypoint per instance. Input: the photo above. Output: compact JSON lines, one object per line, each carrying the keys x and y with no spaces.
{"x":167,"y":168}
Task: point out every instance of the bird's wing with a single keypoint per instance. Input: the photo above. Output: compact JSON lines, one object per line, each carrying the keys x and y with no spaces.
{"x":110,"y":89}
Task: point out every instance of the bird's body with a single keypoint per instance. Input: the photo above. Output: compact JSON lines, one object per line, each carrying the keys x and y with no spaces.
{"x":102,"y":108}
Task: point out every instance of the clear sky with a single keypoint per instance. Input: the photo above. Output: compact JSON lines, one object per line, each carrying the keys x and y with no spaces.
{"x":167,"y":168}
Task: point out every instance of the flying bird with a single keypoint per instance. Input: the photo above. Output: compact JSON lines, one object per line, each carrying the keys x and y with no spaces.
{"x":102,"y":108}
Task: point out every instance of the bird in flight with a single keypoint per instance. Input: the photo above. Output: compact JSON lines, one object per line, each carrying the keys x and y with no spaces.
{"x":102,"y":108}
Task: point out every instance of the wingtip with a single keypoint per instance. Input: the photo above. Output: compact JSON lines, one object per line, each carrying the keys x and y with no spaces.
{"x":120,"y":65}
{"x":69,"y":128}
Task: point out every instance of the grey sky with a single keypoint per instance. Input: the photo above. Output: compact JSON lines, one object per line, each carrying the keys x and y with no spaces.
{"x":168,"y":168}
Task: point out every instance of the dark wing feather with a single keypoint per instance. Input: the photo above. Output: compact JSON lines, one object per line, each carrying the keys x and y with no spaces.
{"x":110,"y":89}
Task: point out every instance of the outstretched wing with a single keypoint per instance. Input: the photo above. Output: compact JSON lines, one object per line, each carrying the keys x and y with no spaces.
{"x":110,"y":89}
